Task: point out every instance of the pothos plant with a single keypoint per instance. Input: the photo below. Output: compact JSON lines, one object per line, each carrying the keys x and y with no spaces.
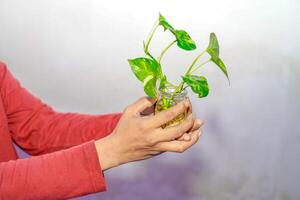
{"x":148,"y":68}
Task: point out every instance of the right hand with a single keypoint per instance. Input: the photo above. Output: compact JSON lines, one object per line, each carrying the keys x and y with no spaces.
{"x":139,"y":137}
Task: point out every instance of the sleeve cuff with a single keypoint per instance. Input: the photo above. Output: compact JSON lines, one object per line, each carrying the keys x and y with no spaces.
{"x":96,"y":174}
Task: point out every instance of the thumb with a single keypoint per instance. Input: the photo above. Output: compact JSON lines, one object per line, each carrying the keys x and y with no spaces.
{"x":143,"y":103}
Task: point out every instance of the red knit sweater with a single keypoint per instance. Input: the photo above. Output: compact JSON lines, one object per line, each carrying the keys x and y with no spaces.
{"x":64,"y":162}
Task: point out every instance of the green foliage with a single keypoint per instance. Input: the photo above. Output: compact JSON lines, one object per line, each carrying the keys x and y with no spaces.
{"x":150,"y":86}
{"x":166,"y":103}
{"x":184,"y":41}
{"x":213,"y":46}
{"x":221,"y":65}
{"x":144,"y":67}
{"x":213,"y":51}
{"x":148,"y":69}
{"x":198,"y":84}
{"x":163,"y":82}
{"x":163,"y":22}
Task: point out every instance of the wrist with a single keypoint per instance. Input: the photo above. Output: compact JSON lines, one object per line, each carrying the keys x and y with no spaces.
{"x":107,"y":155}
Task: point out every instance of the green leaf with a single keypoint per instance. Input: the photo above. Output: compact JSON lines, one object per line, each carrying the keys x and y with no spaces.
{"x":198,"y":84}
{"x":184,"y":41}
{"x":166,"y":103}
{"x":221,"y":65}
{"x":213,"y":46}
{"x":163,"y":82}
{"x":163,"y":22}
{"x":213,"y":51}
{"x":150,"y":86}
{"x":144,"y":67}
{"x":147,"y":71}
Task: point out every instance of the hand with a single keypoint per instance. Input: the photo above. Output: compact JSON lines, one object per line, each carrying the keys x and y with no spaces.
{"x":187,"y":136}
{"x":139,"y":137}
{"x":197,"y":124}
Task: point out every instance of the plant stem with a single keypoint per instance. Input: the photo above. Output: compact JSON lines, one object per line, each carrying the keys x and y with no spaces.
{"x":200,"y":65}
{"x":185,"y":87}
{"x":172,"y":84}
{"x":164,"y":50}
{"x":194,"y":62}
{"x":151,"y":36}
{"x":148,"y":54}
{"x":180,"y":86}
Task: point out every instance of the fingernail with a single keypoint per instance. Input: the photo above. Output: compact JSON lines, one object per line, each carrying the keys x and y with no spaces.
{"x":187,"y":137}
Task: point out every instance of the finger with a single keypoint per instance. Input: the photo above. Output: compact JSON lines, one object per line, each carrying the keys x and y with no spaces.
{"x":179,"y":146}
{"x":172,"y":132}
{"x":165,"y":116}
{"x":190,"y":109}
{"x":148,"y":111}
{"x":184,"y":137}
{"x":141,"y":104}
{"x":197,"y":124}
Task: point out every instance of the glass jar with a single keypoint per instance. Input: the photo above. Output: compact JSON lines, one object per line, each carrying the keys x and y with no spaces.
{"x":168,"y":98}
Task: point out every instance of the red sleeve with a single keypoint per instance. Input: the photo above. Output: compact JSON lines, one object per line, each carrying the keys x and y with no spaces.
{"x":38,"y":129}
{"x":59,"y":175}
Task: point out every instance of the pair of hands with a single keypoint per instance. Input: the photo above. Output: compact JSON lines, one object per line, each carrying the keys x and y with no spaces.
{"x":138,"y":134}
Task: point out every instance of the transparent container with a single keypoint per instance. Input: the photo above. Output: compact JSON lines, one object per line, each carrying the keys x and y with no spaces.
{"x":168,"y":98}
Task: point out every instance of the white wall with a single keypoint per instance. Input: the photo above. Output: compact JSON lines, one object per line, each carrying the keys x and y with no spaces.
{"x":73,"y":54}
